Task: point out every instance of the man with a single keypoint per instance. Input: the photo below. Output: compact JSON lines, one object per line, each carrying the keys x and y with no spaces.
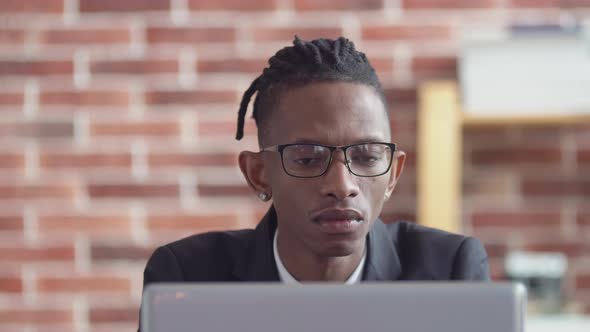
{"x":327,"y":163}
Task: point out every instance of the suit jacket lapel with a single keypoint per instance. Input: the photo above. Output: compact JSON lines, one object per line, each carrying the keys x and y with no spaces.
{"x":383,"y":262}
{"x":258,"y":263}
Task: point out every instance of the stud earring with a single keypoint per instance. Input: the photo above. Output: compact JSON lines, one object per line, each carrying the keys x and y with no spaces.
{"x":264,"y":196}
{"x":387,"y":194}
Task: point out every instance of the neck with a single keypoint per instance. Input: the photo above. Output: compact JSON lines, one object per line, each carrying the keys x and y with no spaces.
{"x":305,"y":265}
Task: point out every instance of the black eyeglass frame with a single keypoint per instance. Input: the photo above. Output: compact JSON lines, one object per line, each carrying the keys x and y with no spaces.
{"x":281,"y":147}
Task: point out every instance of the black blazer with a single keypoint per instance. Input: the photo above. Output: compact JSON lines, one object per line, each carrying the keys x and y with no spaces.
{"x":399,"y":251}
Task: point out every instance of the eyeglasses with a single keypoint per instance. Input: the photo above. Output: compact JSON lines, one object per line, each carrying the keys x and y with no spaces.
{"x":313,"y":160}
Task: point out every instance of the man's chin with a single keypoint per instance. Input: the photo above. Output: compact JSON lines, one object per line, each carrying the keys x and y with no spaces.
{"x":340,"y":249}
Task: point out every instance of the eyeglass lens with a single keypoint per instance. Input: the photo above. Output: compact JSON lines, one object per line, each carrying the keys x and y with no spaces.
{"x":308,"y":160}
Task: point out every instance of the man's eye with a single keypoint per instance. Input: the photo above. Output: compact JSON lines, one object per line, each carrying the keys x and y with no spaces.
{"x":306,"y":161}
{"x":366,"y":159}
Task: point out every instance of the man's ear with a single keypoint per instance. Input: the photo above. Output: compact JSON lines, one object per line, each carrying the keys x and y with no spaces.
{"x":252,"y":167}
{"x":397,"y":166}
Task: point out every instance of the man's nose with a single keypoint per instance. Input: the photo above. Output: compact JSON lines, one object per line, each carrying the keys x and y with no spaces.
{"x":338,"y":182}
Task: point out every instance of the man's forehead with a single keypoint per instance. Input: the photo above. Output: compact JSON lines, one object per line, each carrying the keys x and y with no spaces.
{"x":358,"y":139}
{"x":337,"y":133}
{"x":331,"y":113}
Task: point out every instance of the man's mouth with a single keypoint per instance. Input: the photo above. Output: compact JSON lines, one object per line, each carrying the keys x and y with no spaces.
{"x":336,"y":221}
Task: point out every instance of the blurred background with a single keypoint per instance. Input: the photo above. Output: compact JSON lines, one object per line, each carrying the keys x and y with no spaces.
{"x":117,"y":124}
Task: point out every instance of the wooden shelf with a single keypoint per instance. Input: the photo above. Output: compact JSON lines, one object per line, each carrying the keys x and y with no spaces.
{"x":440,"y":122}
{"x":533,"y":120}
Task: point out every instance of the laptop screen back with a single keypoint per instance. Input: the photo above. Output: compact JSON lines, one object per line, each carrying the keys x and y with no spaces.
{"x":420,"y":307}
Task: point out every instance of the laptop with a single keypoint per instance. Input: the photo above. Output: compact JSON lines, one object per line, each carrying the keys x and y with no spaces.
{"x":406,"y":307}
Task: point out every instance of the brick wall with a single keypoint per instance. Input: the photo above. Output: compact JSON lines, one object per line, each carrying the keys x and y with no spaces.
{"x":117,"y":123}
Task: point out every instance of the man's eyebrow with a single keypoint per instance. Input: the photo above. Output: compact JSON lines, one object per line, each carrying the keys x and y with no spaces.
{"x":370,"y":139}
{"x":366,"y":139}
{"x":306,"y":141}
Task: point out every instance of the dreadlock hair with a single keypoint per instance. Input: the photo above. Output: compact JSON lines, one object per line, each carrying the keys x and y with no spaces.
{"x":319,"y":60}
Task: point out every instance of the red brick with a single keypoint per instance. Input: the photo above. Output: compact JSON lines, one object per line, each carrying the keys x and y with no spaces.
{"x":396,"y":96}
{"x":320,"y":5}
{"x":232,"y":5}
{"x":547,"y":135}
{"x":35,"y":316}
{"x":448,"y":4}
{"x":194,"y":223}
{"x":84,"y":160}
{"x":405,"y":189}
{"x":404,"y":125}
{"x":417,"y":32}
{"x":499,"y":135}
{"x":85,"y":98}
{"x":584,"y":156}
{"x":231,"y":66}
{"x":224,"y":128}
{"x":259,"y":213}
{"x":114,"y":315}
{"x":569,"y":248}
{"x":190,"y":35}
{"x":410,"y":158}
{"x":36,"y":67}
{"x":133,"y":190}
{"x":11,"y":98}
{"x":84,"y":223}
{"x":494,"y":184}
{"x":106,"y":252}
{"x":12,"y":160}
{"x":515,"y":219}
{"x":135,"y":129}
{"x":287,"y":34}
{"x":511,"y":156}
{"x":84,"y":284}
{"x":11,"y":223}
{"x":534,"y":135}
{"x":192,"y":160}
{"x":38,"y":254}
{"x":583,"y":281}
{"x":92,"y":6}
{"x":12,"y":36}
{"x":31,"y":6}
{"x":496,"y":250}
{"x":583,"y":218}
{"x":430,"y":66}
{"x":85,"y":36}
{"x":38,"y":130}
{"x":190,"y":97}
{"x":134,"y":67}
{"x":382,"y":65}
{"x":32,"y":192}
{"x":224,"y":190}
{"x":556,"y":187}
{"x":497,"y":271}
{"x":392,"y":217}
{"x":10,"y":285}
{"x":550,"y":3}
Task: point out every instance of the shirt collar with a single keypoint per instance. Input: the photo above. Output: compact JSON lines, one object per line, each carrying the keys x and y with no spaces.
{"x":287,"y":278}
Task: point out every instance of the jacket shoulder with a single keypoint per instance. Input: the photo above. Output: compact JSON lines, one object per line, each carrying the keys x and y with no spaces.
{"x":209,"y":256}
{"x":432,"y":254}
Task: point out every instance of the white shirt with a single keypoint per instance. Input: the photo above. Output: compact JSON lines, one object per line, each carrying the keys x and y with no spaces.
{"x":287,"y":278}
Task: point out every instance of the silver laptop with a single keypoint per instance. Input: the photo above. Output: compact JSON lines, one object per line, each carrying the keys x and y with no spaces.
{"x":406,"y":307}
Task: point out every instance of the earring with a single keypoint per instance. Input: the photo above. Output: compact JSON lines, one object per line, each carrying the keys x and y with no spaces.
{"x":387,"y":194}
{"x":264,"y":196}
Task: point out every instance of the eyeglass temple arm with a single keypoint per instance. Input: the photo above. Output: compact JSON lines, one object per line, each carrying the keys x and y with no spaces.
{"x":270,"y":148}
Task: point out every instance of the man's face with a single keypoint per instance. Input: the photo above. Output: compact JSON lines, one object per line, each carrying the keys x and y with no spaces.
{"x":330,"y":113}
